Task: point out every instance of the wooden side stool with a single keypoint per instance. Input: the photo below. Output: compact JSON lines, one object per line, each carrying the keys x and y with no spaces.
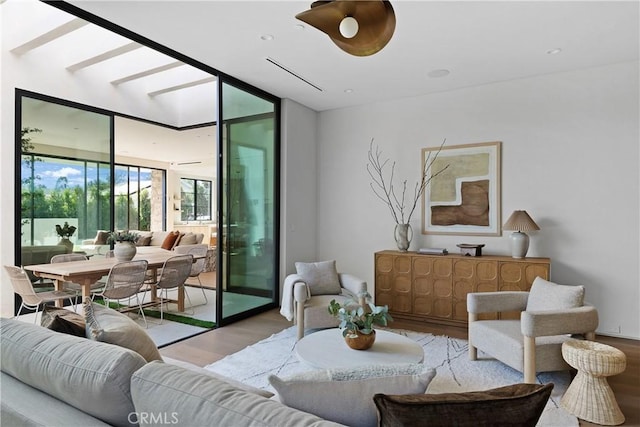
{"x":589,"y":397}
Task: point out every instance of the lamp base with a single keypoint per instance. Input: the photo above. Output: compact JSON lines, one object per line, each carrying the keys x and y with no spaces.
{"x":519,"y":244}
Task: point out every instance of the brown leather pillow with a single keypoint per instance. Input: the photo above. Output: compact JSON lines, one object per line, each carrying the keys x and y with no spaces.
{"x":64,"y":321}
{"x":170,"y":240}
{"x":517,"y":404}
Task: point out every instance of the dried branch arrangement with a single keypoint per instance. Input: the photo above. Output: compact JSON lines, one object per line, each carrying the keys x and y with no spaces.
{"x":383,"y":187}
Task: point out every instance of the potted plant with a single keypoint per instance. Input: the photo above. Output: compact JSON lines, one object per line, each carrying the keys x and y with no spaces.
{"x":125,"y":244}
{"x":65,"y":232}
{"x":357,"y":321}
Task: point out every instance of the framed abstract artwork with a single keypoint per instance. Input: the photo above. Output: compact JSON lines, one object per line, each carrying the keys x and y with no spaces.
{"x":465,"y":198}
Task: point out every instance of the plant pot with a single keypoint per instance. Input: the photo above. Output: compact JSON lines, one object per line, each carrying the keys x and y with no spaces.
{"x":124,"y":251}
{"x":360,"y":341}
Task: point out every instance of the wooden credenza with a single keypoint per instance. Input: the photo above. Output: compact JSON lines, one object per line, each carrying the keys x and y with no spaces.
{"x":435,"y":287}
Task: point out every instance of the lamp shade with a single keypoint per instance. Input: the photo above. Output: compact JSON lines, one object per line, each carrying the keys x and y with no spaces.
{"x":520,"y":221}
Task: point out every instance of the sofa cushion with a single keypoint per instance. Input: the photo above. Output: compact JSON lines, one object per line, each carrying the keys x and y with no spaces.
{"x":192,"y":399}
{"x":63,"y":320}
{"x":157,"y":237}
{"x":93,"y":377}
{"x":188,"y":239}
{"x":320,"y":277}
{"x":113,"y":327}
{"x":170,"y":240}
{"x":545,"y":295}
{"x":517,"y":404}
{"x":346,"y":395}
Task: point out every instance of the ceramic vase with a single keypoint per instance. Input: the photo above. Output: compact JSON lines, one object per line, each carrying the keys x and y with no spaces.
{"x":124,"y":251}
{"x":360,"y":341}
{"x":66,"y":243}
{"x":403,"y":234}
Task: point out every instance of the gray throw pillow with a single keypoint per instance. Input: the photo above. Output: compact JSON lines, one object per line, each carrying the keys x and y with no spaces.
{"x":545,"y":295}
{"x":345,"y":396}
{"x":321,"y":277}
{"x":113,"y":327}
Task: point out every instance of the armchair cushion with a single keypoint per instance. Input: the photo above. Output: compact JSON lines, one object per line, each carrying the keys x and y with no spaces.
{"x":321,"y":277}
{"x":520,"y":404}
{"x":545,"y":295}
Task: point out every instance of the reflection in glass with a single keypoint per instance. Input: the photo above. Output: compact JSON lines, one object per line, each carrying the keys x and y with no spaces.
{"x":249,"y":209}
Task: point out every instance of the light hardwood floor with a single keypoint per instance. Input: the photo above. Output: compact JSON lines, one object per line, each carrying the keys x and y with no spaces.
{"x":214,"y":345}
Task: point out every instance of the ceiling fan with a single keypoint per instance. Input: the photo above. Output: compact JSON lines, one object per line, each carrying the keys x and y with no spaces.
{"x":359,"y":27}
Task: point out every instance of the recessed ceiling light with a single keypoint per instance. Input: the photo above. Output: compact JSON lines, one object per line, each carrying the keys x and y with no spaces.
{"x":300,"y":27}
{"x":266,"y":37}
{"x":434,"y":74}
{"x":554,"y":51}
{"x":348,"y":91}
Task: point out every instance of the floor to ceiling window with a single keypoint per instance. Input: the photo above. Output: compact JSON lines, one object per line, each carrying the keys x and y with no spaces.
{"x":249,"y":214}
{"x":64,"y":172}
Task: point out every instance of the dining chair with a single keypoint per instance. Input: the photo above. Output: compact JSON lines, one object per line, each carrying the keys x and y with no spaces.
{"x":175,"y":271}
{"x":31,"y":299}
{"x":77,"y":288}
{"x":125,"y":281}
{"x":199,"y":253}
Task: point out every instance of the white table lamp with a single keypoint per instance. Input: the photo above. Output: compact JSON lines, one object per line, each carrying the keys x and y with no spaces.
{"x":520,"y":221}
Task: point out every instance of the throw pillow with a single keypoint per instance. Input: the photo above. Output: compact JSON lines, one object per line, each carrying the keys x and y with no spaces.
{"x":170,"y":240}
{"x":321,"y":277}
{"x":545,"y":295}
{"x":101,"y":238}
{"x":63,"y":320}
{"x":187,"y":239}
{"x":113,"y":327}
{"x":517,"y":404}
{"x":345,"y":396}
{"x":143,"y":241}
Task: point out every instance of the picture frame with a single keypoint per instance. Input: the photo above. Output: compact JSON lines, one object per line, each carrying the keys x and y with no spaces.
{"x":465,"y":198}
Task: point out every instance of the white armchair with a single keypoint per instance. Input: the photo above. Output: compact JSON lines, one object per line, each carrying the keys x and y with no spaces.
{"x":307,"y":306}
{"x":550,"y":314}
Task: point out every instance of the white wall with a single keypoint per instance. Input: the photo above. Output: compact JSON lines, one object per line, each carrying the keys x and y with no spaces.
{"x":569,"y":157}
{"x":298,"y":198}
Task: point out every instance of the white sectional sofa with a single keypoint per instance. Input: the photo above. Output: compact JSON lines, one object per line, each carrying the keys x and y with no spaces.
{"x":54,"y":379}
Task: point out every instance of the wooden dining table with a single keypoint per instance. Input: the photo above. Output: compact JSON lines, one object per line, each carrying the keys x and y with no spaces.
{"x":86,"y":273}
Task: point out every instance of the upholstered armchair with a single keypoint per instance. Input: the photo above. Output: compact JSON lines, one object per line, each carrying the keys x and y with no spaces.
{"x":307,"y":294}
{"x":550,"y":314}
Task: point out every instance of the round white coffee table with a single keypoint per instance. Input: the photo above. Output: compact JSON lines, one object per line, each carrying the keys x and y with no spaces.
{"x":327,"y":349}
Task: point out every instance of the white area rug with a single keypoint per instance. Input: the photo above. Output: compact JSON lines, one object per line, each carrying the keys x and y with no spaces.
{"x":449,"y":356}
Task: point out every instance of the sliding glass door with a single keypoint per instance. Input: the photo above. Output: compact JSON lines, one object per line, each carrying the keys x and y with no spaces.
{"x":248,"y":198}
{"x":64,"y":185}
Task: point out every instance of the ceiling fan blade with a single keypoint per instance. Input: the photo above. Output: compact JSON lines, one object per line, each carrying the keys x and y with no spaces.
{"x":376,"y":21}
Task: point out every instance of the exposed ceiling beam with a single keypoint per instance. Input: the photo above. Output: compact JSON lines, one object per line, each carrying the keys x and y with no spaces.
{"x":49,"y":36}
{"x":182,"y":86}
{"x":148,"y":72}
{"x":104,"y":56}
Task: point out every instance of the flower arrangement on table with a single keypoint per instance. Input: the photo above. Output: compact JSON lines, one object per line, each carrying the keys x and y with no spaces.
{"x":355,"y":318}
{"x":66,"y":230}
{"x":122,"y":236}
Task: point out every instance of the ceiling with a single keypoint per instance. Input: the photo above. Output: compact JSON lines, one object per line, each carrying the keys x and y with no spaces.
{"x":478,"y":42}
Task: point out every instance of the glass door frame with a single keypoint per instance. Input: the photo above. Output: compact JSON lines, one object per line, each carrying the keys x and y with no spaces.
{"x":222,"y":261}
